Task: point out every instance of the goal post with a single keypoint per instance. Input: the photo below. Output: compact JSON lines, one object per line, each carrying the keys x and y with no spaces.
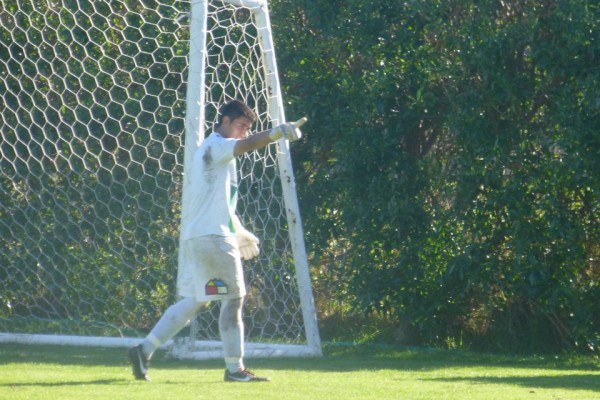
{"x":253,"y":46}
{"x":102,"y":105}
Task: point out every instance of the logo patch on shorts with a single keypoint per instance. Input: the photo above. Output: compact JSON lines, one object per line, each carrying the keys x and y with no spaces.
{"x":216,"y":286}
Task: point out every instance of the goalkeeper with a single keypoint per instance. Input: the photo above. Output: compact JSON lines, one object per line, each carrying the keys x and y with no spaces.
{"x":214,"y":241}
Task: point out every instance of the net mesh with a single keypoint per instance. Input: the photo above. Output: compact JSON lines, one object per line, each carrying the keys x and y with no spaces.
{"x":92,"y":108}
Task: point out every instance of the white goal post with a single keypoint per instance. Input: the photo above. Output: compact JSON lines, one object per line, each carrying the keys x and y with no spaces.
{"x":102,"y":105}
{"x":268,"y":104}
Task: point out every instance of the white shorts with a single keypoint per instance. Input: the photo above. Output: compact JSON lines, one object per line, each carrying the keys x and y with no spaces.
{"x":211,"y":269}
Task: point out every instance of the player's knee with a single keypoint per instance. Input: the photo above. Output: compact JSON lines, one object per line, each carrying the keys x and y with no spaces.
{"x":231,"y":313}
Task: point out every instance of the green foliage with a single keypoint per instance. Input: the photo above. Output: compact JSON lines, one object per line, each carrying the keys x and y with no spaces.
{"x":449,"y":176}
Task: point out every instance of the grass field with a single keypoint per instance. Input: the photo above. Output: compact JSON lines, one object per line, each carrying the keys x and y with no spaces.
{"x":345,"y":372}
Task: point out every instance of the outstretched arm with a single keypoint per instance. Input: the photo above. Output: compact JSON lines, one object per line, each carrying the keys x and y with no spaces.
{"x":289,"y":131}
{"x":253,"y":142}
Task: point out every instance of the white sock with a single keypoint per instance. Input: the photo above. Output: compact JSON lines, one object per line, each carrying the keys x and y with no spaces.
{"x":234,"y":365}
{"x":149,"y":345}
{"x":173,"y":320}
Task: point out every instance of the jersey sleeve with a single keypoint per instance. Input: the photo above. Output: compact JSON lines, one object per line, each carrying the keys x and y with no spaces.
{"x":222,"y":150}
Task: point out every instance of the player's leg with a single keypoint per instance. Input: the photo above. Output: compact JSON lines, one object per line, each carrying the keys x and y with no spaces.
{"x":173,"y":320}
{"x":231,"y":327}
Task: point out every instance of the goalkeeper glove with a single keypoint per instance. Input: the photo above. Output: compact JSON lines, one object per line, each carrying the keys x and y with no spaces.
{"x":288,"y":131}
{"x":247,"y":242}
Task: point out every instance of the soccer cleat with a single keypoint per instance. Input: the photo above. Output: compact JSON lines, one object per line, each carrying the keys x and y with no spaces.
{"x":243,"y":375}
{"x":139,"y":363}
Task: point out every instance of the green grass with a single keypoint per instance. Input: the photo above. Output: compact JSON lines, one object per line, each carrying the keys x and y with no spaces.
{"x":345,"y":372}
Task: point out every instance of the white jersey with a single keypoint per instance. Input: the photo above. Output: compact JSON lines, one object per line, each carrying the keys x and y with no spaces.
{"x":213,"y":186}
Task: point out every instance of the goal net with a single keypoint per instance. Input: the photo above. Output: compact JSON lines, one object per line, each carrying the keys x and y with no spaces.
{"x":101,"y":106}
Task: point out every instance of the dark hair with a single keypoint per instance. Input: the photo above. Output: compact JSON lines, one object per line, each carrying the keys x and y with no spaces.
{"x":235,"y":109}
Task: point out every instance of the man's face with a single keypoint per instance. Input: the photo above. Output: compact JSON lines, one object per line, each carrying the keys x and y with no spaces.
{"x":235,"y":129}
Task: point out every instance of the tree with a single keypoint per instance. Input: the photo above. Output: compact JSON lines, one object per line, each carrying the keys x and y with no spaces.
{"x":451,"y":162}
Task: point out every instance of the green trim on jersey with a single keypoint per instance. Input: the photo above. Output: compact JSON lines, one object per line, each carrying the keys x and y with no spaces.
{"x":234,"y":190}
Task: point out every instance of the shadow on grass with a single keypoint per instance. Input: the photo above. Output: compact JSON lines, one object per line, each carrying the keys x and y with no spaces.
{"x":66,"y":383}
{"x":569,"y":381}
